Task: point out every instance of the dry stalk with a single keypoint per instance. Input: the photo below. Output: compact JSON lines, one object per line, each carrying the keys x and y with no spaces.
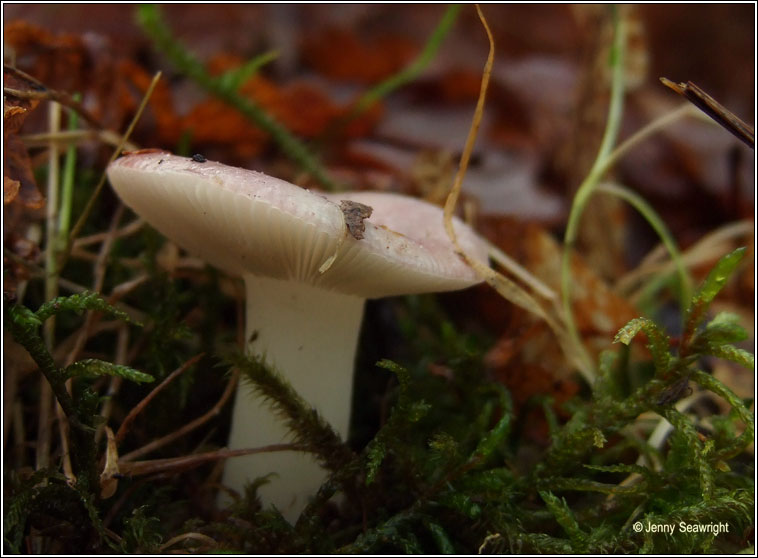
{"x":44,"y":433}
{"x":137,"y":409}
{"x":127,"y":230}
{"x":507,"y":288}
{"x":189,"y":427}
{"x":184,"y":462}
{"x":209,"y":542}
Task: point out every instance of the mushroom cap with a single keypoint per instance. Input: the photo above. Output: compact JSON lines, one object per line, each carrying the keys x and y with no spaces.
{"x":246,"y":222}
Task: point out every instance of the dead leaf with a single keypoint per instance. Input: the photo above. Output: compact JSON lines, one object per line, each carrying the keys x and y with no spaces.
{"x":58,"y":60}
{"x":18,"y":176}
{"x":109,"y":476}
{"x":526,"y":343}
{"x":303,"y":108}
{"x":340,"y":54}
{"x":355,"y":213}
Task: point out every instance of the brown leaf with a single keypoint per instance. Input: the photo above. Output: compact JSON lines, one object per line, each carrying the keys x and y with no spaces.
{"x":340,"y":54}
{"x":59,"y":61}
{"x":18,"y":177}
{"x":303,"y":108}
{"x":527,"y":358}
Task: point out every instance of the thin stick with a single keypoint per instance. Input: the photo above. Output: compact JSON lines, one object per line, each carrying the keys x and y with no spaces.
{"x":45,"y":93}
{"x":51,"y":289}
{"x":507,"y":288}
{"x":714,"y":109}
{"x":187,"y":428}
{"x":84,"y":331}
{"x":135,"y":468}
{"x":70,"y":137}
{"x":209,"y":542}
{"x":19,"y":436}
{"x":137,"y":409}
{"x":506,"y":262}
{"x":97,"y":285}
{"x":116,"y":153}
{"x":126,"y":230}
{"x":122,"y":344}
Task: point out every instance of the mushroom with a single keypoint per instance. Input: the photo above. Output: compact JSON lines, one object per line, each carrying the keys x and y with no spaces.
{"x":309,"y":261}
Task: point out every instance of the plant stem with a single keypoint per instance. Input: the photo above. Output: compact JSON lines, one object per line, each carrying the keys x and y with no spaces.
{"x":51,"y":286}
{"x":80,"y":222}
{"x":412,"y":71}
{"x":589,"y":184}
{"x":67,"y":187}
{"x":654,"y":220}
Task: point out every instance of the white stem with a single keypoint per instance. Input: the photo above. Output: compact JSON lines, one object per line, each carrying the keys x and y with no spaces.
{"x":310,"y":336}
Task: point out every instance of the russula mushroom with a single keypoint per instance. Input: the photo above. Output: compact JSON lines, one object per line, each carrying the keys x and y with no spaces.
{"x":309,"y":261}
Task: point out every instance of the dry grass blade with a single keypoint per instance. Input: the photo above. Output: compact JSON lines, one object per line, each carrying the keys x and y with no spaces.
{"x":507,"y":288}
{"x":705,"y":251}
{"x":77,"y":228}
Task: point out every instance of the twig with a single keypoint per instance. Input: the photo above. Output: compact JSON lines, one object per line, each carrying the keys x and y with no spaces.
{"x":63,"y":348}
{"x":97,"y":285}
{"x":89,"y":320}
{"x":51,"y":288}
{"x":69,"y":137}
{"x":137,"y":409}
{"x":45,"y":93}
{"x":122,"y":289}
{"x":187,"y":428}
{"x":93,"y":198}
{"x":507,"y":288}
{"x":152,"y":466}
{"x":122,"y":344}
{"x":209,"y":542}
{"x":126,"y":230}
{"x":714,"y":109}
{"x":19,"y":434}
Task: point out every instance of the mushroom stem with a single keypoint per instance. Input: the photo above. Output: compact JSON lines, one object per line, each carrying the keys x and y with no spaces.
{"x":310,"y":336}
